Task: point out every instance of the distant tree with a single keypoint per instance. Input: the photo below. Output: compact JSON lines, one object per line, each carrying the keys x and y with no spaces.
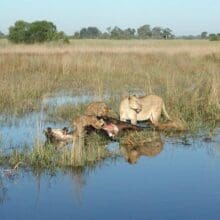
{"x":129,"y":33}
{"x":108,"y":29}
{"x":105,"y":35}
{"x":41,"y":31}
{"x":19,"y":33}
{"x":157,"y":33}
{"x":94,"y":32}
{"x":117,"y":33}
{"x":2,"y":35}
{"x":61,"y":36}
{"x":214,"y":37}
{"x":83,"y":33}
{"x":76,"y":35}
{"x":38,"y":31}
{"x":167,"y":33}
{"x":189,"y":37}
{"x":204,"y":34}
{"x":90,"y":32}
{"x":144,"y":32}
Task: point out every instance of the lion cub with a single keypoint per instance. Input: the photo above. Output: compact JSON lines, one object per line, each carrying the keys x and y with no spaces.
{"x":98,"y":109}
{"x":81,"y":122}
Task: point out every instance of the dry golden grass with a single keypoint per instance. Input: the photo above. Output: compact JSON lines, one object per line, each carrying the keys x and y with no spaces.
{"x":185,"y":73}
{"x":171,"y":47}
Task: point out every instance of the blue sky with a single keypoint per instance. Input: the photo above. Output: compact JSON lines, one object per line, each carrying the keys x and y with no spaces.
{"x":182,"y":16}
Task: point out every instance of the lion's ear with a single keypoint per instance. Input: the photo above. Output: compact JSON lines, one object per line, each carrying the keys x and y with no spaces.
{"x":134,"y":95}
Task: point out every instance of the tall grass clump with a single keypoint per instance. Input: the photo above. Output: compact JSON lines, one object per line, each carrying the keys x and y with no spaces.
{"x":86,"y":152}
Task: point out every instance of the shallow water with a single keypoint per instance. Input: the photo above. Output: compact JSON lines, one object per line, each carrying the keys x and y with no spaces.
{"x":28,"y":130}
{"x":182,"y":182}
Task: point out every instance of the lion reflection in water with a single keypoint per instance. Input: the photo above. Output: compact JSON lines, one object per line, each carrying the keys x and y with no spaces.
{"x":150,"y":146}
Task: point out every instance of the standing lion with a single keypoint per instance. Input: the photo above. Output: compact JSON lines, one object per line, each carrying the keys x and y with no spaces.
{"x":142,"y":108}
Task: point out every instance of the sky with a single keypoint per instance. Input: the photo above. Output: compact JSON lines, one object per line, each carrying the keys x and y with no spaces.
{"x":184,"y":17}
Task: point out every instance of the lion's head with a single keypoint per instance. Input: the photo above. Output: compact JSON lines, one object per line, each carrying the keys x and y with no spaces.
{"x":97,"y":109}
{"x":134,"y":103}
{"x":98,"y":123}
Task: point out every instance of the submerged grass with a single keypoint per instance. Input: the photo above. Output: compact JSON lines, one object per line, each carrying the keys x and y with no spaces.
{"x":184,"y":73}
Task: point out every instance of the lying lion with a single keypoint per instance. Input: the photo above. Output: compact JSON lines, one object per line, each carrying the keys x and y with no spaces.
{"x":174,"y":125}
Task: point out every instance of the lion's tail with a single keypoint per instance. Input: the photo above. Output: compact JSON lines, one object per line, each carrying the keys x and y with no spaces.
{"x":165,"y":113}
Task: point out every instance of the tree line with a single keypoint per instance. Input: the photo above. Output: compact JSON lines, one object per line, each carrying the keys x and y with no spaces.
{"x":42,"y":31}
{"x":143,"y":32}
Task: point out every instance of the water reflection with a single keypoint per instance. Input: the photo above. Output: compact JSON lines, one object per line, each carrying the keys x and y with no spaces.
{"x":150,"y":147}
{"x":77,"y":180}
{"x":3,"y":191}
{"x":76,"y":176}
{"x":6,"y":176}
{"x":86,"y":157}
{"x":170,"y":178}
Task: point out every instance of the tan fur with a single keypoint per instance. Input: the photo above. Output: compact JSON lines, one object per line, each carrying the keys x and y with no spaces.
{"x":150,"y":148}
{"x":174,"y":125}
{"x":97,"y":109}
{"x":81,"y":122}
{"x":142,"y":108}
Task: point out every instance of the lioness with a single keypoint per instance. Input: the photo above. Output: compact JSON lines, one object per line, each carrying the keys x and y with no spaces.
{"x":81,"y":122}
{"x":142,"y":108}
{"x":97,"y":109}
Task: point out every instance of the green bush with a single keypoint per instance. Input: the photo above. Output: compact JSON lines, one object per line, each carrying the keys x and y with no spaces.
{"x":214,"y":37}
{"x":35,"y":32}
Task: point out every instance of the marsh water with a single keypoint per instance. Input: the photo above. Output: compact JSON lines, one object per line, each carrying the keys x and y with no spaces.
{"x":180,"y":181}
